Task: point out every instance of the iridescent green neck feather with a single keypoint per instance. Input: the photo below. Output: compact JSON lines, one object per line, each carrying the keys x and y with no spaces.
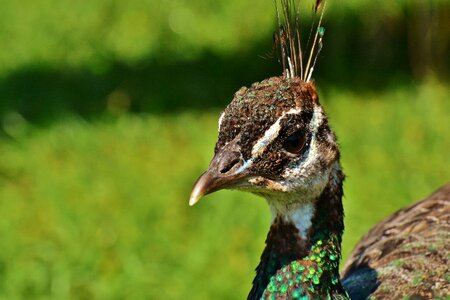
{"x":296,"y":267}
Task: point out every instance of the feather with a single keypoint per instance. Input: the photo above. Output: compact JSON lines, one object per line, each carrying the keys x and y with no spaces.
{"x":288,"y":42}
{"x":316,"y":7}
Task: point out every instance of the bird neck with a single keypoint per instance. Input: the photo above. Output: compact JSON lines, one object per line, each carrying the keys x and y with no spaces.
{"x":303,"y":248}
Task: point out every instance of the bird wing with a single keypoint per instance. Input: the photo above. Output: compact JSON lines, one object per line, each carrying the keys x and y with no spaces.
{"x":407,"y":254}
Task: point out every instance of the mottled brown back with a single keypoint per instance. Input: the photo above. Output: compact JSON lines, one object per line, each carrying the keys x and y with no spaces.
{"x":409,"y":251}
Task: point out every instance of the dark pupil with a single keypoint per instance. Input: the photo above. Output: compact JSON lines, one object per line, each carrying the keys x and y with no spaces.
{"x":295,"y":142}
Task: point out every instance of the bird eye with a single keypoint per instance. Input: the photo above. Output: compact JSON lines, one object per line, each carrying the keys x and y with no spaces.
{"x":295,"y":142}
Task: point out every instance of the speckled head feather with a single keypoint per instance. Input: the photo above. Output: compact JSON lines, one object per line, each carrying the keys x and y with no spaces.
{"x":256,"y":125}
{"x":261,"y":105}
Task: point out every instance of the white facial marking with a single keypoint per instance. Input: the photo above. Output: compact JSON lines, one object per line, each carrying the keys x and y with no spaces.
{"x":220,"y":120}
{"x":305,"y":173}
{"x":317,"y":119}
{"x":268,"y":137}
{"x":271,"y":134}
{"x":313,"y":155}
{"x":270,"y":184}
{"x":315,"y":123}
{"x":244,"y":166}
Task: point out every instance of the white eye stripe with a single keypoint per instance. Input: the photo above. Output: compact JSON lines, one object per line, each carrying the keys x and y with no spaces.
{"x":271,"y":134}
{"x":220,"y":120}
{"x":317,"y":119}
{"x":267,"y":138}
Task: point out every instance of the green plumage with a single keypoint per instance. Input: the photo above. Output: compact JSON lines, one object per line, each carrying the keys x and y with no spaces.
{"x":315,"y":276}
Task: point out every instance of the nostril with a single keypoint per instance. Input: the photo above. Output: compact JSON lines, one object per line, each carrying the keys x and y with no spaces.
{"x":228,"y":167}
{"x":228,"y":162}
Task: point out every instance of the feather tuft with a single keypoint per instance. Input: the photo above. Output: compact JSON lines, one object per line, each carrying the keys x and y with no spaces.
{"x":288,"y":40}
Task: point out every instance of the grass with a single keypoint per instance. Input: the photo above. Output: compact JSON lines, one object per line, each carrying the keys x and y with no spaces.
{"x":98,"y":210}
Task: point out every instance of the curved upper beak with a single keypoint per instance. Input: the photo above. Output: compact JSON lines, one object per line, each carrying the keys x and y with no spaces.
{"x":225,"y":171}
{"x":208,"y":183}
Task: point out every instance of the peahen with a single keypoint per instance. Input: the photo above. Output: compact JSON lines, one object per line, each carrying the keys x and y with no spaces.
{"x":275,"y":141}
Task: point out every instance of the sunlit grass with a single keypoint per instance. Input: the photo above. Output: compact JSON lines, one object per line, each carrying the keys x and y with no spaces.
{"x":99,"y":210}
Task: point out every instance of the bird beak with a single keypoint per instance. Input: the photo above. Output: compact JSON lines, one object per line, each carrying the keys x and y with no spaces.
{"x":225,"y":171}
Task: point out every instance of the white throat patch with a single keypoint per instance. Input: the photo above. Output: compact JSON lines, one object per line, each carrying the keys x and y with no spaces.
{"x":301,"y":216}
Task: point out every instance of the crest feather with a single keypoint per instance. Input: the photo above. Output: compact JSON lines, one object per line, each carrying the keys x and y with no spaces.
{"x":296,"y":60}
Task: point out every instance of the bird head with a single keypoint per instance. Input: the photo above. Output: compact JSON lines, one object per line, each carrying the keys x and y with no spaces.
{"x":274,"y":141}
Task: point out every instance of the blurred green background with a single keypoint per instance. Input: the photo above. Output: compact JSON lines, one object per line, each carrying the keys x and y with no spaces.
{"x":108,"y":113}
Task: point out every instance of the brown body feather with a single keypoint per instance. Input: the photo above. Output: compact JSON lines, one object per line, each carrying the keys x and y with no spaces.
{"x":409,"y":251}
